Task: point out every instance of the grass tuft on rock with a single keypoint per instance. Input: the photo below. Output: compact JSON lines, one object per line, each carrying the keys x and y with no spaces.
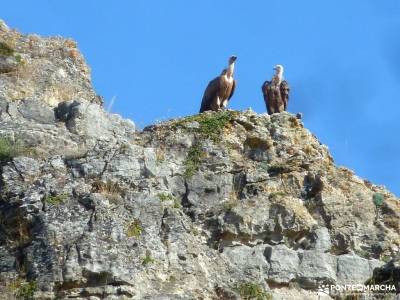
{"x":26,"y":290}
{"x":6,"y":50}
{"x":165,"y":197}
{"x":252,"y":291}
{"x":55,"y":200}
{"x":134,"y":228}
{"x":106,"y":187}
{"x":177,"y":204}
{"x":147,"y":259}
{"x":10,"y":148}
{"x":169,"y":197}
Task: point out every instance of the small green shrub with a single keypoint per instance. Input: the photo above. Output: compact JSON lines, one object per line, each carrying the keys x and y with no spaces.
{"x":363,"y":253}
{"x":378,"y":199}
{"x":231,"y":203}
{"x":134,"y":228}
{"x":177,"y":204}
{"x":193,"y":160}
{"x":147,"y":259}
{"x":194,"y":231}
{"x":55,"y":200}
{"x":385,"y":258}
{"x":6,"y":50}
{"x":228,"y":206}
{"x":165,"y":197}
{"x":263,"y":166}
{"x":26,"y":290}
{"x":251,"y":290}
{"x":18,"y":58}
{"x":11,"y":148}
{"x":168,"y":197}
{"x":108,"y":187}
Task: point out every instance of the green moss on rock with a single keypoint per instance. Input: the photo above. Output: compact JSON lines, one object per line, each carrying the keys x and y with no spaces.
{"x":193,"y":160}
{"x":211,"y":125}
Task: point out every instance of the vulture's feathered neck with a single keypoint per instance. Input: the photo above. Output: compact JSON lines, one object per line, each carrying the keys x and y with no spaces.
{"x":230,"y":69}
{"x":278,"y":77}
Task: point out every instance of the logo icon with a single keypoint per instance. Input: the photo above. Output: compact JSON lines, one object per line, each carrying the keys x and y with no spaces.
{"x":323,"y":289}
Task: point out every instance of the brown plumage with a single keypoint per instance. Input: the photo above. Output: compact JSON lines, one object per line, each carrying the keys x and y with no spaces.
{"x":276,"y":92}
{"x":220,"y":89}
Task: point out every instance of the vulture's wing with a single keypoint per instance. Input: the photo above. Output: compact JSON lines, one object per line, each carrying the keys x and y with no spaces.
{"x":209,"y":94}
{"x":284,"y":89}
{"x":233,"y":89}
{"x":267,"y":93}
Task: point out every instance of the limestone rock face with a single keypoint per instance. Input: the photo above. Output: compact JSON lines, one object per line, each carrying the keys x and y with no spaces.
{"x":51,"y":69}
{"x":211,"y":206}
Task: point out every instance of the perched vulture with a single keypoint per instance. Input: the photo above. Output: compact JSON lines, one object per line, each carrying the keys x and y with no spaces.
{"x":276,"y":92}
{"x":220,"y":89}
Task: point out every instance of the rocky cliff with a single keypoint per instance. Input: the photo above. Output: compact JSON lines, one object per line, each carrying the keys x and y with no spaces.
{"x":229,"y":205}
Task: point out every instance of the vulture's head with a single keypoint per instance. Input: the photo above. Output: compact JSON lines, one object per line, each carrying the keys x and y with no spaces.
{"x":278,"y":69}
{"x":232,"y":59}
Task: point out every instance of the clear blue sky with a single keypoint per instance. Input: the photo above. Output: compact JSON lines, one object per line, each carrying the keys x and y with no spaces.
{"x":342,"y":59}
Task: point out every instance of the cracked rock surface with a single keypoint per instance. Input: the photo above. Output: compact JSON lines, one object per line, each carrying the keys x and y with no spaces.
{"x":192,"y":208}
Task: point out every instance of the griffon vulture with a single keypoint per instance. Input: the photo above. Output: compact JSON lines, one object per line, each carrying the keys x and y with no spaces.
{"x":220,"y":89}
{"x":276,"y":92}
